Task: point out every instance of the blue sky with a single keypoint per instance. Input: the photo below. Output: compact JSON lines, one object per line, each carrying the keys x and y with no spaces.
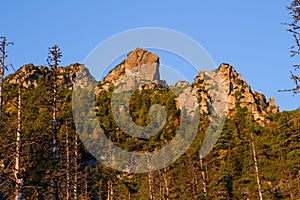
{"x":248,"y":35}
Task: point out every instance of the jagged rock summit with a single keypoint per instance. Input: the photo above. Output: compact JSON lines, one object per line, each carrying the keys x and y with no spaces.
{"x":138,"y":65}
{"x":238,"y":93}
{"x":143,"y":65}
{"x":29,"y":75}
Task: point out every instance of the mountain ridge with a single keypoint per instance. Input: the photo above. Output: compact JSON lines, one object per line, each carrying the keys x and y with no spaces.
{"x":227,"y":172}
{"x":238,"y":92}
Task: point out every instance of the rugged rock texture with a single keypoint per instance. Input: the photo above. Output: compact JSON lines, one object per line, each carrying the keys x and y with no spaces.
{"x":217,"y":91}
{"x":30,"y":74}
{"x":201,"y":89}
{"x":185,"y":97}
{"x":139,"y":65}
{"x":234,"y":92}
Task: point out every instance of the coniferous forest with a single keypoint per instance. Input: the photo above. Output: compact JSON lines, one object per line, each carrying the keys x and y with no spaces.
{"x":42,"y":156}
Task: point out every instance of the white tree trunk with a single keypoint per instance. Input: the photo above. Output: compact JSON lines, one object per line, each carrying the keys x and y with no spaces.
{"x":203,"y":176}
{"x":76,"y":167}
{"x":256,"y":167}
{"x":55,"y":142}
{"x":150,"y":181}
{"x":68,"y":165}
{"x":165,"y":177}
{"x":53,"y":60}
{"x":110,"y":190}
{"x":19,"y":181}
{"x":151,"y":186}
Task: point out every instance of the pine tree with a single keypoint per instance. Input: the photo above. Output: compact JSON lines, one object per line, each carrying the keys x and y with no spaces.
{"x":53,"y":61}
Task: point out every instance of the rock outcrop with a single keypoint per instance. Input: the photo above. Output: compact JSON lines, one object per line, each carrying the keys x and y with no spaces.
{"x":139,"y":65}
{"x":29,"y":75}
{"x":216,"y":91}
{"x":236,"y":93}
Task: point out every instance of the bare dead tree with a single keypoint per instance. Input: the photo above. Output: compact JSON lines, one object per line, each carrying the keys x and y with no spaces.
{"x":110,"y":190}
{"x":68,"y":164}
{"x":151,"y":185}
{"x":294,"y":29}
{"x":53,"y":61}
{"x":202,"y":169}
{"x":3,"y":66}
{"x":75,"y":165}
{"x":18,"y":181}
{"x":75,"y":189}
{"x":256,"y":167}
{"x":165,"y":178}
{"x":150,"y":181}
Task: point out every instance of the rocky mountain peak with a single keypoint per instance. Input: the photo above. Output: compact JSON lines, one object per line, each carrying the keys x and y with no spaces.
{"x":139,"y":65}
{"x":238,"y":93}
{"x":30,"y":74}
{"x":139,"y":57}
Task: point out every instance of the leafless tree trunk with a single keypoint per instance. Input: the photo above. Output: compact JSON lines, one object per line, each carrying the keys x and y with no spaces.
{"x":256,"y":167}
{"x":3,"y":44}
{"x":161,"y":185}
{"x":150,"y":181}
{"x":76,"y":167}
{"x":68,"y":165}
{"x":2,"y":66}
{"x":151,"y":185}
{"x":204,"y":181}
{"x":19,"y":181}
{"x":293,"y":28}
{"x":110,"y":190}
{"x":55,"y":142}
{"x":165,"y":177}
{"x":53,"y":61}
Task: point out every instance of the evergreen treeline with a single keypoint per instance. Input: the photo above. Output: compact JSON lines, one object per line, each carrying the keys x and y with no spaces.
{"x":42,"y":157}
{"x":228,"y":172}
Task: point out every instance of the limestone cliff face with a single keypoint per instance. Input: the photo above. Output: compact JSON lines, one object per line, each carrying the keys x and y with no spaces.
{"x":237,"y":92}
{"x":221,"y":89}
{"x":139,"y":65}
{"x":30,"y":74}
